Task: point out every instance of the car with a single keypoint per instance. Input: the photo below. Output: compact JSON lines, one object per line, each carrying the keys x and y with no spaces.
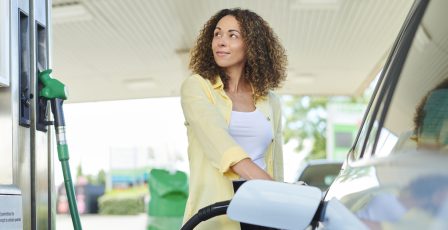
{"x":396,"y":173}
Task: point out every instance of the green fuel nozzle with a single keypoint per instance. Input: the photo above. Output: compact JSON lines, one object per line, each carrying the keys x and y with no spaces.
{"x":53,"y":88}
{"x":56,"y":92}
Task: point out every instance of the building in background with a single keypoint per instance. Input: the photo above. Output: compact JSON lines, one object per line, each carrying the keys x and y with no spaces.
{"x":343,"y":122}
{"x":129,"y":166}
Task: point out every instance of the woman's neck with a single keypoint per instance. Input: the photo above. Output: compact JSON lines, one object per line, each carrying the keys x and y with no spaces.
{"x":234,"y":85}
{"x":236,"y":82}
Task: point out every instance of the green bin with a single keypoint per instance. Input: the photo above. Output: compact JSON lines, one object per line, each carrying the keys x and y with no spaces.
{"x":169,"y":192}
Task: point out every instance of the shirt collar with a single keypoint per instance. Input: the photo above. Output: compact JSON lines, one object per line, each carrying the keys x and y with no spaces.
{"x":218,"y":83}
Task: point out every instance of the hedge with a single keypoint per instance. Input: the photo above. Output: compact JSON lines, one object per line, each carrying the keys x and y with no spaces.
{"x":121,"y":204}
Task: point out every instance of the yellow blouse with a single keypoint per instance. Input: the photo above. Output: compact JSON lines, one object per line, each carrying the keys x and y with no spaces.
{"x":211,"y":149}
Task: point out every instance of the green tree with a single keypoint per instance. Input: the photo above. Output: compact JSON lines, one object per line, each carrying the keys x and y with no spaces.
{"x":101,"y":177}
{"x":306,"y":119}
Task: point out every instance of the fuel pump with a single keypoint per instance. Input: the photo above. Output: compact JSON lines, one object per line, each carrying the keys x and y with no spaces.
{"x":55,"y":91}
{"x":27,"y":189}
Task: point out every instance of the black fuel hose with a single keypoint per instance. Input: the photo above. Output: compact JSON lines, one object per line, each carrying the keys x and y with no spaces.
{"x":216,"y":209}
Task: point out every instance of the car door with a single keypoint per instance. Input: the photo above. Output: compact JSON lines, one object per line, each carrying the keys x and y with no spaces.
{"x":395,"y":176}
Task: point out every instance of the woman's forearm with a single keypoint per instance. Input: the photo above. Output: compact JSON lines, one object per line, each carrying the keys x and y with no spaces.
{"x":248,"y":170}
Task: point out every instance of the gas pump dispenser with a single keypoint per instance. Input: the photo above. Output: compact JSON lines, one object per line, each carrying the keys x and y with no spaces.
{"x":27,"y":190}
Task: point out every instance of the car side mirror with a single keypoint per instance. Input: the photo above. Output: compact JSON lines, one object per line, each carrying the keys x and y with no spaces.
{"x":275,"y":204}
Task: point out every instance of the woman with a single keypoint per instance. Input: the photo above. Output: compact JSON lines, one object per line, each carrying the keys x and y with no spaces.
{"x":233,"y":119}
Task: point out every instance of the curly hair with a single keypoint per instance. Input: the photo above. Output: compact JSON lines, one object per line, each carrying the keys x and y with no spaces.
{"x":265,"y":66}
{"x":420,"y":112}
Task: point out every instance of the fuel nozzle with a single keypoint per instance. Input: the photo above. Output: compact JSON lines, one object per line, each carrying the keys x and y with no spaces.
{"x":56,"y":92}
{"x":53,"y":88}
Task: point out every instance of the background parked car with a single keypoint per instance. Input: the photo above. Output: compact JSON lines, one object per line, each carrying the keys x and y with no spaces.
{"x":319,"y":173}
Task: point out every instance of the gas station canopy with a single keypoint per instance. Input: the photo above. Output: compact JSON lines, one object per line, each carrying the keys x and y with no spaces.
{"x":116,"y":49}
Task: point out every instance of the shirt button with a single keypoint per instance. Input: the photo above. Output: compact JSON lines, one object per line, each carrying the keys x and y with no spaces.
{"x":269,"y":119}
{"x":272,"y":140}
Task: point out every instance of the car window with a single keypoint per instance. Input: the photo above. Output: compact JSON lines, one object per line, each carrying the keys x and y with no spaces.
{"x":362,"y":137}
{"x":417,"y":116}
{"x":370,"y":124}
{"x":425,"y":68}
{"x":364,"y":142}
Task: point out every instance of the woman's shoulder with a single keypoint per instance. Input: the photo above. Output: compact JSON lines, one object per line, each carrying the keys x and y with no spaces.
{"x":194,"y":84}
{"x":273,"y":97}
{"x":274,"y":100}
{"x":196,"y":79}
{"x":193,"y":79}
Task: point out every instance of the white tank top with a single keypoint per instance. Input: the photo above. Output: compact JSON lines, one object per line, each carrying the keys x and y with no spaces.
{"x":253,"y":132}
